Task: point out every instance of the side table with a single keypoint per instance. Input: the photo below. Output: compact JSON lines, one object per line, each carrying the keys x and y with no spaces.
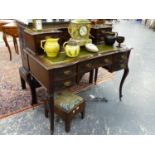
{"x":10,"y":29}
{"x":4,"y":22}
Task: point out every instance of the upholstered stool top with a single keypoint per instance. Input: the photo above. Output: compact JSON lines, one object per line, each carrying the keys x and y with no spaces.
{"x":67,"y":100}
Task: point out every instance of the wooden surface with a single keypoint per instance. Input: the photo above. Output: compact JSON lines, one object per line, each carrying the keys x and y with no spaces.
{"x":63,"y":60}
{"x":10,"y":29}
{"x":3,"y":22}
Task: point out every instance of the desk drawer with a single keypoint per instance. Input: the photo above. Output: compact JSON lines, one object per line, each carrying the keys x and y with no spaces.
{"x":65,"y":83}
{"x":104,"y":61}
{"x":117,"y":67}
{"x":120,"y":57}
{"x":86,"y":66}
{"x":64,"y":73}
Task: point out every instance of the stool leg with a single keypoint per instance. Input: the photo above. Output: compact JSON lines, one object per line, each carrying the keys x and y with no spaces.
{"x":23,"y":84}
{"x":67,"y":125}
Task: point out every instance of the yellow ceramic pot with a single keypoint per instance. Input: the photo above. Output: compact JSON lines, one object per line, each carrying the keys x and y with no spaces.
{"x":72,"y":49}
{"x":51,"y":46}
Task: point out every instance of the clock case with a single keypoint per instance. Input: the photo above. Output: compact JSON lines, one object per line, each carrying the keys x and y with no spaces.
{"x":74,"y":31}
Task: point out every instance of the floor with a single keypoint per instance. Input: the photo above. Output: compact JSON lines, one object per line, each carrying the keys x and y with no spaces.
{"x":133,"y":116}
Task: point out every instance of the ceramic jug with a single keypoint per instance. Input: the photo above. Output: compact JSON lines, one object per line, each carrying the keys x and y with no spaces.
{"x":51,"y":46}
{"x":72,"y":49}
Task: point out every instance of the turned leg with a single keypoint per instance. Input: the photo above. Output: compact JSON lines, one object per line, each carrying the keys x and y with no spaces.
{"x":33,"y":90}
{"x":6,"y":43}
{"x":91,"y":76}
{"x":50,"y":99}
{"x":23,"y":84}
{"x":126,"y":71}
{"x":15,"y":44}
{"x":96,"y":74}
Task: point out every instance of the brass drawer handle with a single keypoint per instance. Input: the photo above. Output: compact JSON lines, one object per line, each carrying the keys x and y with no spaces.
{"x":124,"y":57}
{"x":106,"y":60}
{"x":67,"y":72}
{"x":77,"y":108}
{"x":67,"y":83}
{"x":89,"y":65}
{"x":103,"y":31}
{"x":123,"y":66}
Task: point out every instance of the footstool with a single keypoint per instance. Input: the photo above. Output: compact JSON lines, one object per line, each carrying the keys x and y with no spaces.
{"x":67,"y":105}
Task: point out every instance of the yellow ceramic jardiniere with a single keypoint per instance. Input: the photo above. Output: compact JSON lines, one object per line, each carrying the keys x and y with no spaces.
{"x":72,"y":49}
{"x":51,"y":46}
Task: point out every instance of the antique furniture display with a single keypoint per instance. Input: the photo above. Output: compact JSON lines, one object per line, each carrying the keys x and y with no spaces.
{"x":9,"y":27}
{"x":62,"y":72}
{"x":67,"y":105}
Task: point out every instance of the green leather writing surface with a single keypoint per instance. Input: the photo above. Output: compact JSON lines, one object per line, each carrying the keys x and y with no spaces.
{"x":63,"y":58}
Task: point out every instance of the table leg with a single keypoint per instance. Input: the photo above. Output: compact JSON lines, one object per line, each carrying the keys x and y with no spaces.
{"x":6,"y":43}
{"x":23,"y":84}
{"x":96,"y":74}
{"x":91,"y":76}
{"x":4,"y":39}
{"x":15,"y":45}
{"x":32,"y":89}
{"x":50,"y":98}
{"x":125,"y":74}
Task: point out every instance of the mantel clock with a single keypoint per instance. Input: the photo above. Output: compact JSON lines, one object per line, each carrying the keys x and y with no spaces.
{"x":79,"y":30}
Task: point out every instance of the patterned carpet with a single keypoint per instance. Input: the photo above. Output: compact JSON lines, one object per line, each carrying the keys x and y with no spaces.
{"x":12,"y":98}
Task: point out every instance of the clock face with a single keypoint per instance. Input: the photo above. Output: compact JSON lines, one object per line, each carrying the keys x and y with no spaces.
{"x":83,"y":31}
{"x":38,"y":24}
